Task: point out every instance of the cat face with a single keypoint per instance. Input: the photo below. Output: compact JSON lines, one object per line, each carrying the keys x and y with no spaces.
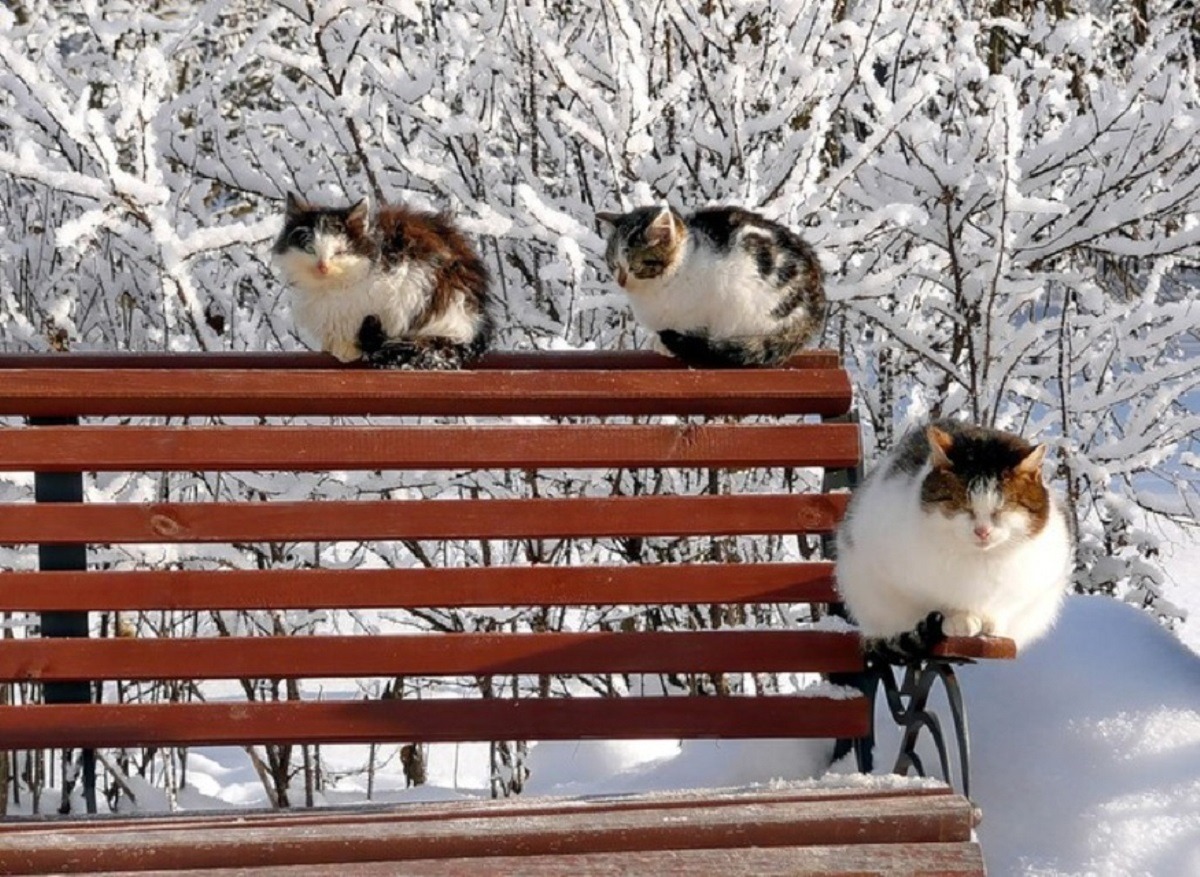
{"x":324,"y":249}
{"x":984,"y":490}
{"x":643,"y":245}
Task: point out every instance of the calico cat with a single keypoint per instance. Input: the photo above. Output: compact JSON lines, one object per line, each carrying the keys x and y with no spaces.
{"x":723,"y":287}
{"x":401,"y":289}
{"x":954,"y":534}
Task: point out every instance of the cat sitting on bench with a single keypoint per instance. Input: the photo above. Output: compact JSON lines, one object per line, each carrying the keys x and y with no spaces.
{"x":401,"y":289}
{"x":953,"y":534}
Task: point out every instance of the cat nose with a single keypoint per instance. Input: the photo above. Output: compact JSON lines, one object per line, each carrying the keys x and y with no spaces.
{"x":621,"y":276}
{"x":982,"y":532}
{"x":322,"y":267}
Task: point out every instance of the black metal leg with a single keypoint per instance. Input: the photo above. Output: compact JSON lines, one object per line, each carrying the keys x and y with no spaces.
{"x":65,"y":487}
{"x":908,"y":704}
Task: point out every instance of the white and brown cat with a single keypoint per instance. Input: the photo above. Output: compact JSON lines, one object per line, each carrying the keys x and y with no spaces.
{"x":401,"y":288}
{"x":955,"y":529}
{"x":723,"y":287}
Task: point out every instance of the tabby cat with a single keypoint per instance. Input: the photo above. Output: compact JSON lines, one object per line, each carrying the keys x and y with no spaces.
{"x":403,"y":288}
{"x":723,"y":287}
{"x":956,"y":534}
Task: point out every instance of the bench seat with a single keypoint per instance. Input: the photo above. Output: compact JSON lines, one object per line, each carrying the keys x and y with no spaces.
{"x":918,"y":830}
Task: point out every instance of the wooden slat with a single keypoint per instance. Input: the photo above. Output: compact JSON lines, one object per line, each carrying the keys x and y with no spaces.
{"x":459,"y":654}
{"x":647,"y":585}
{"x":858,"y":860}
{"x":92,"y":392}
{"x":51,"y":523}
{"x":911,"y":819}
{"x":499,"y":360}
{"x":848,"y":796}
{"x":133,"y":448}
{"x":497,"y":817}
{"x":434,"y":721}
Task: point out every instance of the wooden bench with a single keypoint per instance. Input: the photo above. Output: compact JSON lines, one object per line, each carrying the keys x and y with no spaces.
{"x":643,"y":533}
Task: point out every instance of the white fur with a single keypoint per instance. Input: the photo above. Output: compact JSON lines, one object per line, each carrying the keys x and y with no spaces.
{"x":330,"y":308}
{"x":897,"y":563}
{"x":722,"y":294}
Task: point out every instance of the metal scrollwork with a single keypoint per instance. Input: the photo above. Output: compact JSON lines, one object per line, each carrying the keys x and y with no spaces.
{"x":908,"y":704}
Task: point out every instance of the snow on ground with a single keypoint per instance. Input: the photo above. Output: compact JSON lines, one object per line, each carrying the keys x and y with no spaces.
{"x":1181,"y":550}
{"x":1086,"y":749}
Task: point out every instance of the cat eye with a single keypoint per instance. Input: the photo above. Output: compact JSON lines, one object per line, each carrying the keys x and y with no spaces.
{"x":301,"y":238}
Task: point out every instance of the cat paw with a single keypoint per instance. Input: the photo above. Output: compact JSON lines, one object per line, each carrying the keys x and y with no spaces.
{"x":669,"y":340}
{"x":371,"y":336}
{"x":344,"y":351}
{"x":691,"y":349}
{"x":687,"y":347}
{"x":966,"y":624}
{"x":697,"y":350}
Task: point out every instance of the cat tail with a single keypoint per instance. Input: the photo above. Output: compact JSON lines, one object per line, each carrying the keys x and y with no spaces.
{"x":700,"y":351}
{"x":907,"y":648}
{"x":910,"y":647}
{"x":425,"y":354}
{"x":862,"y":747}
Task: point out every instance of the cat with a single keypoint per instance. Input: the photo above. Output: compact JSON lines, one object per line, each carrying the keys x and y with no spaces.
{"x":954,"y":534}
{"x":401,"y":289}
{"x":723,"y":287}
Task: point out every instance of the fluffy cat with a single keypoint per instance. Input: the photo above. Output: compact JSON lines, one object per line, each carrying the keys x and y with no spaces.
{"x":722,"y":287}
{"x":403,"y":288}
{"x":954,"y":530}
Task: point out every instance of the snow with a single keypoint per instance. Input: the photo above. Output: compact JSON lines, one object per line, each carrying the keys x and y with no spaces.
{"x":1086,"y":749}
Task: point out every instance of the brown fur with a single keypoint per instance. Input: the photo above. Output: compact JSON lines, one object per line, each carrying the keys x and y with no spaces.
{"x":1024,"y":488}
{"x":399,"y":235}
{"x":432,"y":238}
{"x":960,"y":454}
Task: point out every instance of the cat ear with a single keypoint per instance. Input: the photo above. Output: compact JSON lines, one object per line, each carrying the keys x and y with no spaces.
{"x":610,"y":220}
{"x":358,"y":220}
{"x":940,"y":443}
{"x":1032,"y":463}
{"x":662,"y":229}
{"x":295,"y":204}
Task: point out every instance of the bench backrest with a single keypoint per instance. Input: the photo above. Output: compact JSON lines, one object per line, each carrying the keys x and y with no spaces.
{"x":617,"y":487}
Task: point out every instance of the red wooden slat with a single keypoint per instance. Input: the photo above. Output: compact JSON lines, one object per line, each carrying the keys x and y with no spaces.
{"x":51,"y":523}
{"x":874,"y":825}
{"x":130,"y":448}
{"x":95,"y":392}
{"x":847,"y":796}
{"x":459,"y":654}
{"x":434,"y":721}
{"x":883,"y":821}
{"x":964,"y":859}
{"x":417,"y":588}
{"x":501,"y":360}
